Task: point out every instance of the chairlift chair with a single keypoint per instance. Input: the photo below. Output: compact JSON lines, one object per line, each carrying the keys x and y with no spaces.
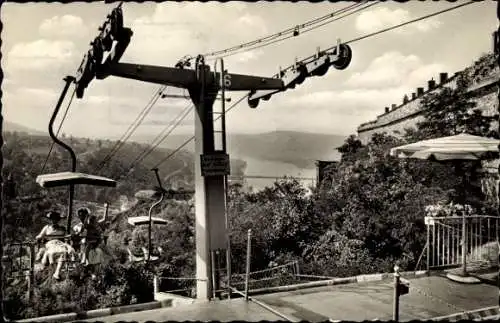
{"x":147,"y":220}
{"x":141,"y":220}
{"x":69,"y":178}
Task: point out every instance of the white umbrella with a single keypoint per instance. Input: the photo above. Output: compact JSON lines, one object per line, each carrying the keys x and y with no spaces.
{"x":459,"y":147}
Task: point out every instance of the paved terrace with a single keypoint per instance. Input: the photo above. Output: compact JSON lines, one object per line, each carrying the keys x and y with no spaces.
{"x":429,"y":297}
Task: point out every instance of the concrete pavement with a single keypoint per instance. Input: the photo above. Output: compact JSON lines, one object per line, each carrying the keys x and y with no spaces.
{"x":429,"y":297}
{"x":223,"y":311}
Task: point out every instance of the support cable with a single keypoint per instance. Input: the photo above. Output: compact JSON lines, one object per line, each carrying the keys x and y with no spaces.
{"x":294,"y":30}
{"x":161,"y":137}
{"x":133,"y":126}
{"x":348,"y":42}
{"x":303,"y":32}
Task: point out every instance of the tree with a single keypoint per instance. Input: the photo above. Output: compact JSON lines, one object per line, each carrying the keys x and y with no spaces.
{"x":451,"y":111}
{"x":350,"y":148}
{"x":333,"y":254}
{"x":379,"y":200}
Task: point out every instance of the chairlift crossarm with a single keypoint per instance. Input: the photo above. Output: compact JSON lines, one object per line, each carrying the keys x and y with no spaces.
{"x":186,"y":78}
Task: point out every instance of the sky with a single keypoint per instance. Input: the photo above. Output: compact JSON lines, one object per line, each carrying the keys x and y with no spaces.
{"x":43,"y":42}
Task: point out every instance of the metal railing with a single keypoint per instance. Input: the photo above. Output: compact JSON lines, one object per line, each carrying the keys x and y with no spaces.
{"x":20,"y":263}
{"x":453,"y":240}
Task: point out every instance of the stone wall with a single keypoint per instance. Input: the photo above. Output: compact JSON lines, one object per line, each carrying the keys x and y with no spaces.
{"x":484,"y":73}
{"x":395,"y":122}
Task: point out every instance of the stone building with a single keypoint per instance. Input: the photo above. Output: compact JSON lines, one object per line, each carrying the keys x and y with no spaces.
{"x":321,"y":165}
{"x":400,"y":116}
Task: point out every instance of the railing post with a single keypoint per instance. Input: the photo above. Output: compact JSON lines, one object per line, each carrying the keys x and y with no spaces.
{"x":428,"y":247}
{"x":479,"y":238}
{"x":433,"y":263}
{"x":214,"y":284}
{"x":228,"y":269}
{"x":472,"y":238}
{"x":155,"y":284}
{"x":396,"y":294}
{"x":453,"y":244}
{"x":439,"y":262}
{"x":464,"y":245}
{"x":31,"y":278}
{"x":448,"y":252}
{"x":249,"y":254}
{"x":106,"y":210}
{"x":489,"y":229}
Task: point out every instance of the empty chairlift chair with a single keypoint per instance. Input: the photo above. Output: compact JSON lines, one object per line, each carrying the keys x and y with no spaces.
{"x":148,"y":254}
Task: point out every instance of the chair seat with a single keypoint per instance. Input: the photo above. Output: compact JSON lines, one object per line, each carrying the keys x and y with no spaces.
{"x":73,"y":178}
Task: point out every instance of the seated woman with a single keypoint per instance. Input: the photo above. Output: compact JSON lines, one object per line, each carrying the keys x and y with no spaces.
{"x":53,"y":233}
{"x":93,"y":241}
{"x":78,"y":231}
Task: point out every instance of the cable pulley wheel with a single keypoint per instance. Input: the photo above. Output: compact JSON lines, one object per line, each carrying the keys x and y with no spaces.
{"x":322,"y":70}
{"x":345,"y":57}
{"x":253,"y":103}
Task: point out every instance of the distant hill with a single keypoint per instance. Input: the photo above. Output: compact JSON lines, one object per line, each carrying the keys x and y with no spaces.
{"x":300,"y":149}
{"x":15,"y":127}
{"x":21,"y":147}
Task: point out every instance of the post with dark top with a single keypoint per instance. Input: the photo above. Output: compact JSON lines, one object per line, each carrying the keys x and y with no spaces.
{"x":401,"y":287}
{"x":249,"y":258}
{"x":395,"y":314}
{"x":31,"y":278}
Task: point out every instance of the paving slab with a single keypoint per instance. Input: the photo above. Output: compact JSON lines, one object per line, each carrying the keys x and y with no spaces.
{"x":429,"y":297}
{"x":222,"y":311}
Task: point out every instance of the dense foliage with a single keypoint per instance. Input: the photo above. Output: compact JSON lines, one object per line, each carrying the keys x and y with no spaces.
{"x":367,"y":215}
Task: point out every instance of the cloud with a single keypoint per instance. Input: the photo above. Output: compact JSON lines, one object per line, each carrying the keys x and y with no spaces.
{"x":62,"y":26}
{"x":329,"y":111}
{"x":250,"y":56}
{"x":162,"y":39}
{"x":163,"y":113}
{"x":351,"y":101}
{"x":89,"y":117}
{"x":393,"y":69}
{"x":381,"y":17}
{"x":40,"y":54}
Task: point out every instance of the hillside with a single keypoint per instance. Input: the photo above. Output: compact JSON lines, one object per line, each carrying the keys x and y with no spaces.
{"x":24,"y":156}
{"x":11,"y":127}
{"x":300,"y":149}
